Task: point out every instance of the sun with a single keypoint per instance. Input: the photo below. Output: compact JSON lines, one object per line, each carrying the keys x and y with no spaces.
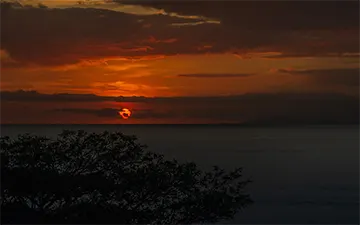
{"x":125,"y":113}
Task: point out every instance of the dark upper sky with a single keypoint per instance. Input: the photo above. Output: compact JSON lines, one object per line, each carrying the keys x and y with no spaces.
{"x":274,"y":61}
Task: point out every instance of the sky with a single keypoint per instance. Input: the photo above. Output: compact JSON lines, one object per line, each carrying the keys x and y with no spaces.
{"x":170,"y":61}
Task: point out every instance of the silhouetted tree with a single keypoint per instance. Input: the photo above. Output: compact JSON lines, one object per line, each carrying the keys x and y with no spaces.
{"x":109,"y":178}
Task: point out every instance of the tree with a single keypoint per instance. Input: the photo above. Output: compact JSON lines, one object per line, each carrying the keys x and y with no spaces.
{"x":109,"y":178}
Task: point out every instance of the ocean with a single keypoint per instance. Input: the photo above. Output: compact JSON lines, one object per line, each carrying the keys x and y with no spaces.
{"x":300,"y":174}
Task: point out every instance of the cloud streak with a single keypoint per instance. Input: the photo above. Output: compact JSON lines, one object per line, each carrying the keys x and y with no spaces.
{"x":200,"y":75}
{"x":106,"y":112}
{"x":341,"y":76}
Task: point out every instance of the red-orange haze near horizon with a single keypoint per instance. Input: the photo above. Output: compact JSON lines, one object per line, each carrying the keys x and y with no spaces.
{"x":125,"y":113}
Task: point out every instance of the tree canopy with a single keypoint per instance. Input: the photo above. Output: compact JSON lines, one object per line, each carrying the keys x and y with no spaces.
{"x":82,"y":177}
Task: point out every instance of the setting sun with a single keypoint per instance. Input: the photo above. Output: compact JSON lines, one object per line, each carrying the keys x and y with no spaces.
{"x":125,"y":113}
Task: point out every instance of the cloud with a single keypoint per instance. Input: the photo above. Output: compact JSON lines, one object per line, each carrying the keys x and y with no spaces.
{"x":293,"y":28}
{"x":61,"y":97}
{"x":106,"y":112}
{"x":60,"y":36}
{"x":5,"y":57}
{"x":34,"y":96}
{"x":265,"y":14}
{"x":199,"y":75}
{"x":7,"y":61}
{"x":341,"y":76}
{"x":149,"y":113}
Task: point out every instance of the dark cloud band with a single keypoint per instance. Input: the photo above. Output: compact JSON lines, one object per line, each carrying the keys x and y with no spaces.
{"x":276,"y":109}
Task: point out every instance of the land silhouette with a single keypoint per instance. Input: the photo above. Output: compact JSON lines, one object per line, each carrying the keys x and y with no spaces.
{"x":107,"y":177}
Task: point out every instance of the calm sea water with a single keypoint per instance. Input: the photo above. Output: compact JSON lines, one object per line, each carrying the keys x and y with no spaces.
{"x":301,"y":175}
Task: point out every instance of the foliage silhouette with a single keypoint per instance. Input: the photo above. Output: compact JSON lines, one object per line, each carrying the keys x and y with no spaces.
{"x":109,"y":178}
